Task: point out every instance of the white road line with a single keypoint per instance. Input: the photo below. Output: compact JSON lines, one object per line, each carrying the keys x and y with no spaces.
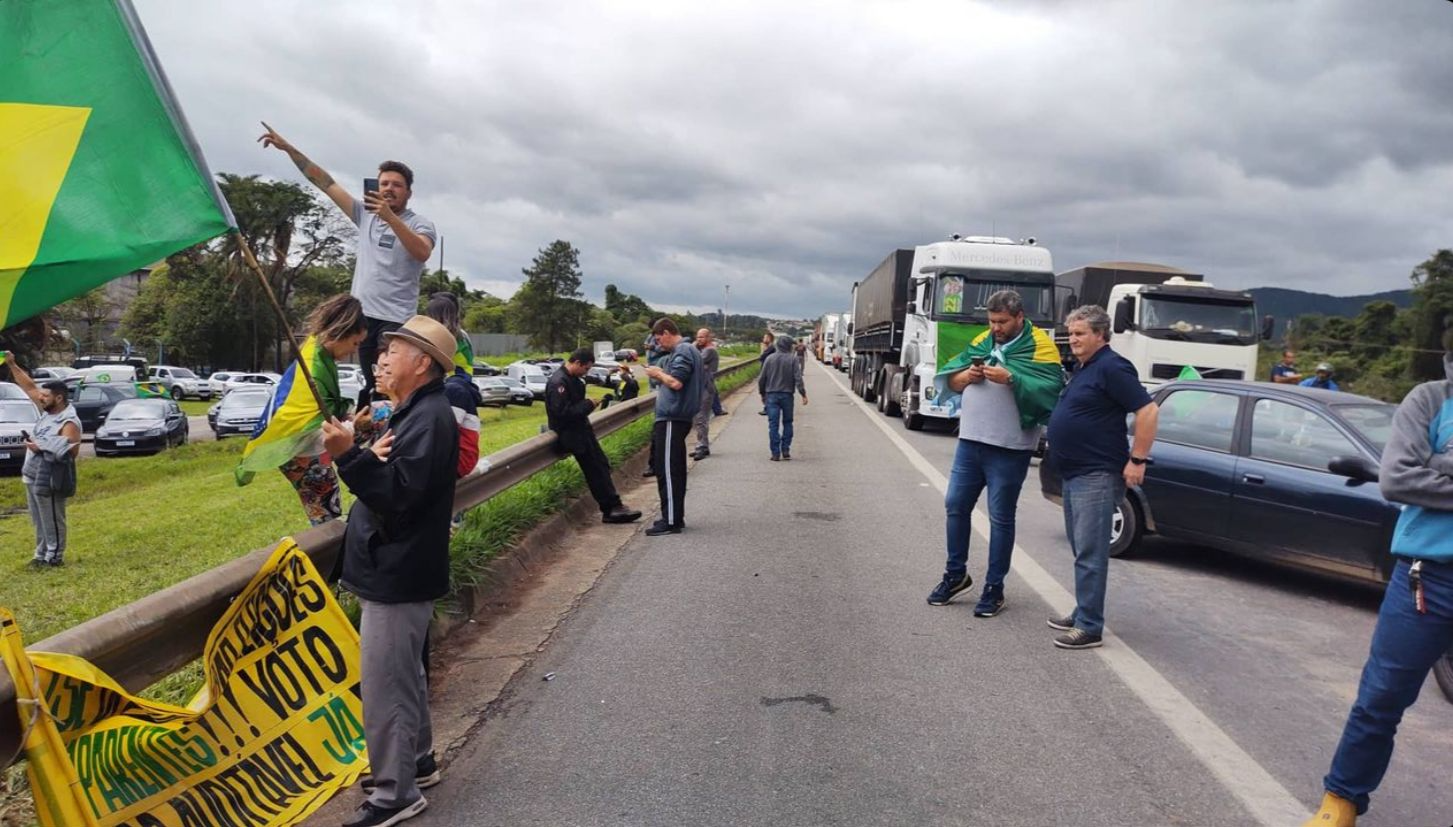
{"x":1238,"y":772}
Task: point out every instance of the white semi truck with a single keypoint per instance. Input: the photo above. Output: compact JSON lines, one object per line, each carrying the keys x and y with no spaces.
{"x":842,"y":357}
{"x":921,"y":307}
{"x":828,"y":328}
{"x":1165,"y":320}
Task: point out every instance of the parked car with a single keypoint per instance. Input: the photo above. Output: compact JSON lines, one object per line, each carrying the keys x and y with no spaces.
{"x":181,"y":383}
{"x":15,"y":416}
{"x":1277,"y":472}
{"x":219,"y":380}
{"x":10,"y":390}
{"x":531,"y":375}
{"x":93,"y":402}
{"x":240,"y":409}
{"x":485,"y":369}
{"x":519,"y":394}
{"x":493,"y":392}
{"x":249,"y":380}
{"x":626,"y":355}
{"x":605,"y":376}
{"x":142,"y":426}
{"x":52,"y":372}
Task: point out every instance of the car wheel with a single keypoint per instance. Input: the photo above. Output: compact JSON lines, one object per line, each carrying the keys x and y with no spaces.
{"x":177,"y":392}
{"x":1125,"y":529}
{"x":1443,"y":671}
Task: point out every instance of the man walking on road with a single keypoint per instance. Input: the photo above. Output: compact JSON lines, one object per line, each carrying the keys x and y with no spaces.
{"x":396,"y":560}
{"x":1087,"y":442}
{"x":569,"y":414}
{"x":710,"y":363}
{"x":1009,"y":377}
{"x":781,"y":374}
{"x":1415,"y":624}
{"x":678,"y":398}
{"x":394,"y":242}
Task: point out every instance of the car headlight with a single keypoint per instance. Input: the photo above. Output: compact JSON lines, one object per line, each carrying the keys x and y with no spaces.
{"x":152,"y":432}
{"x":929,"y":392}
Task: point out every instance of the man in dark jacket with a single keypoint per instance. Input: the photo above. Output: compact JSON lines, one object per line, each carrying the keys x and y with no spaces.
{"x":781,"y":375}
{"x":396,"y":560}
{"x":678,"y":397}
{"x":569,"y":413}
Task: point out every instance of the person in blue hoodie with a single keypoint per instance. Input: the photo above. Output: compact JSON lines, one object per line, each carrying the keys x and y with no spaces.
{"x":679,"y":381}
{"x":1415,"y":624}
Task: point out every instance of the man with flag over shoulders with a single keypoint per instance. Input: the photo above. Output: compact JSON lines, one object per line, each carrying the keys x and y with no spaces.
{"x":396,"y":560}
{"x":1005,"y":385}
{"x":394,"y":242}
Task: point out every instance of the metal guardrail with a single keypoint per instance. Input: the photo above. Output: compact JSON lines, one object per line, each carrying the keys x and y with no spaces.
{"x":142,"y":642}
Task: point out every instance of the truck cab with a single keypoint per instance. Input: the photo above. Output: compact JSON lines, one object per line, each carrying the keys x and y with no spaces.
{"x":950,"y":287}
{"x":1169,"y":323}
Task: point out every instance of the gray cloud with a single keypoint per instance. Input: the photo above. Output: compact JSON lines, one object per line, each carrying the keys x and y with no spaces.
{"x":786,"y":148}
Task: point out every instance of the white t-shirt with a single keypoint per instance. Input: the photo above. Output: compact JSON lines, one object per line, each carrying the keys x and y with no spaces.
{"x":386,"y":277}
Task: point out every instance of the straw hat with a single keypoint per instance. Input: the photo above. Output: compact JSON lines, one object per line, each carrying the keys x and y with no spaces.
{"x":429,"y":336}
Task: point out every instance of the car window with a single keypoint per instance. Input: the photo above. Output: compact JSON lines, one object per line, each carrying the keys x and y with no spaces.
{"x":1294,"y":435}
{"x":91,"y":395}
{"x":1372,"y":421}
{"x":22,"y":412}
{"x":1204,"y":419}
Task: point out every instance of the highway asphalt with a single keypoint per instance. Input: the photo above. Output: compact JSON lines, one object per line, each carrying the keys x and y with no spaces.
{"x":777,"y":664}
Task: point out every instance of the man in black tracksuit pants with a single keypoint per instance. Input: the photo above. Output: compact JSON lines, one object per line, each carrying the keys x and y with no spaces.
{"x":569,"y":414}
{"x":678,"y":398}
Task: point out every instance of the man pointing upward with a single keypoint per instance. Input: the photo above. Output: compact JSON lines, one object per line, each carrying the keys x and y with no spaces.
{"x":394,"y":242}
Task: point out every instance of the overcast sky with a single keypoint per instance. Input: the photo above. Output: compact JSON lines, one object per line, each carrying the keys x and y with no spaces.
{"x":785,"y":148}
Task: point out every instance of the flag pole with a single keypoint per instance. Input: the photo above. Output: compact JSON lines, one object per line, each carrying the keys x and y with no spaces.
{"x":282,"y":320}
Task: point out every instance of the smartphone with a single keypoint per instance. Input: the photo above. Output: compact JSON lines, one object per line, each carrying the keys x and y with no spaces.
{"x":370,"y":185}
{"x":976,"y":361}
{"x":25,"y":435}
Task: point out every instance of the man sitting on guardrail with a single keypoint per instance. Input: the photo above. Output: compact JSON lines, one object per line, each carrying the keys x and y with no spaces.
{"x":569,"y":414}
{"x":1415,"y":624}
{"x":396,"y":560}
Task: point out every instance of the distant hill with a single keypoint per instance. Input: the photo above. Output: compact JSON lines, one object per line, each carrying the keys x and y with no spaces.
{"x":1286,"y":304}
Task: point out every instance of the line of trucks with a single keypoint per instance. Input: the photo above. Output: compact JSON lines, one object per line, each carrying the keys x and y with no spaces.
{"x":920,"y":307}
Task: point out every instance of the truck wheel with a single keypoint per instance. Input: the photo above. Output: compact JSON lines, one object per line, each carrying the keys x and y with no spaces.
{"x":1443,"y":671}
{"x":1125,"y":529}
{"x":890,"y":406}
{"x":866,"y":390}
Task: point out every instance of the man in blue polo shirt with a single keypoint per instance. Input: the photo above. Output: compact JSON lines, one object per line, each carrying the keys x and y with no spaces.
{"x":1087,"y":440}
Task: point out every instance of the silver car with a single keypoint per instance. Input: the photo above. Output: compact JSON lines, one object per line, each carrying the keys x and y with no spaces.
{"x":240,"y":409}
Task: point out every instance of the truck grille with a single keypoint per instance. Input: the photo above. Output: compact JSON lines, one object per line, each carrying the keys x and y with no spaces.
{"x":1163,"y":371}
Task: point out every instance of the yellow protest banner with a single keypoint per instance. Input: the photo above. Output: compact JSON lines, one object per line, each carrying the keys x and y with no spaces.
{"x":275,"y":731}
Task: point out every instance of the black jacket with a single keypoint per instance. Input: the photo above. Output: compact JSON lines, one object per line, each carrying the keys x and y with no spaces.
{"x":566,"y":407}
{"x":396,"y":548}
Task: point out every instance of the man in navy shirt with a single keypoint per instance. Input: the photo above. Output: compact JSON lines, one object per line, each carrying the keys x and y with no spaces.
{"x":1087,"y":440}
{"x":1285,"y":371}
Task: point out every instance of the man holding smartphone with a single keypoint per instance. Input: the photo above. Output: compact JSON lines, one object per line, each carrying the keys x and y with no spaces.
{"x":1007,"y":390}
{"x":394,"y":243}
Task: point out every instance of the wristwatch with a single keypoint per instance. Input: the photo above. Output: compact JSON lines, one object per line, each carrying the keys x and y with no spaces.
{"x":1134,"y":460}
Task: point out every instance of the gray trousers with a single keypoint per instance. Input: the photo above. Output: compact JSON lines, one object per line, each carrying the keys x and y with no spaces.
{"x":703,"y":420}
{"x":48,"y":514}
{"x":395,"y":697}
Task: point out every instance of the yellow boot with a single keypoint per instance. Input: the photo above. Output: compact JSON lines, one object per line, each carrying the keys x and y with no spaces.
{"x":1335,"y":812}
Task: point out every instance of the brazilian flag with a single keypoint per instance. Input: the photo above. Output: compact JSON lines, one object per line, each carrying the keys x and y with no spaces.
{"x":1031,"y":357}
{"x":102,"y":174}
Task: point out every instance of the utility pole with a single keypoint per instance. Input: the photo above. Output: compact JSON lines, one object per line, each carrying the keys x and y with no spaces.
{"x":726,"y":297}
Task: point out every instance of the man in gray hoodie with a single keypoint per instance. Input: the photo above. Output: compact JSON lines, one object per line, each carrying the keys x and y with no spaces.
{"x":678,"y":377}
{"x":1415,"y":624}
{"x":781,"y":375}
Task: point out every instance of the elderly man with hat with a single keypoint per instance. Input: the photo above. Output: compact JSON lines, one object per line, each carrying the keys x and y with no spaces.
{"x":396,"y":560}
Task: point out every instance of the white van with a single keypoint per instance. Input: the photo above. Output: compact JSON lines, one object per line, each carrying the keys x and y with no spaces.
{"x":530,"y":375}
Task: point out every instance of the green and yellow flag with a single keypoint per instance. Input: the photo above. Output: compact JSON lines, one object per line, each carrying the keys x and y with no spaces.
{"x":102,"y":174}
{"x":1031,"y":358}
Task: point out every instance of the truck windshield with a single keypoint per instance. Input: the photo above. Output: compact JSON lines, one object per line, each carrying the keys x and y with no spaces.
{"x":1191,"y":319}
{"x":964,"y":297}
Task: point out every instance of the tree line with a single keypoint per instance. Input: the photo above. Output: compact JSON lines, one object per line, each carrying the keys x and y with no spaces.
{"x":1384,"y":351}
{"x":204,"y":308}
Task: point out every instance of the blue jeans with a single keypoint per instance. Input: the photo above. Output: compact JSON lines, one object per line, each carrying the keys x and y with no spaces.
{"x":977,"y":465}
{"x":779,"y":419}
{"x":1405,"y":645}
{"x":1089,"y":504}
